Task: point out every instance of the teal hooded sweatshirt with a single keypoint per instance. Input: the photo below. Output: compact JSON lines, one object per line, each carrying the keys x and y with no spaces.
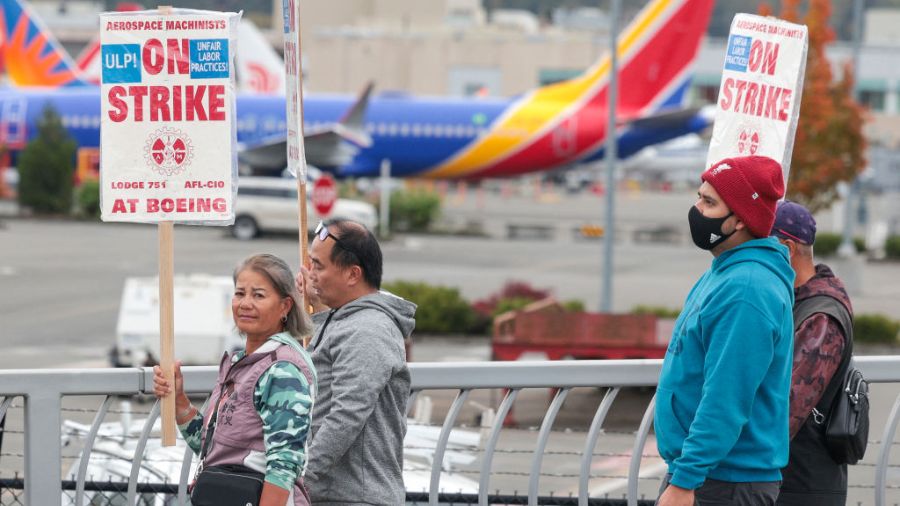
{"x":723,"y":395}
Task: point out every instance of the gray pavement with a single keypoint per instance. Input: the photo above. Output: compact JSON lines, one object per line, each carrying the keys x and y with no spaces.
{"x":61,"y":281}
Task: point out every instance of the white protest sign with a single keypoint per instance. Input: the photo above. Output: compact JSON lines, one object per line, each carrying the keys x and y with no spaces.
{"x":296,"y":154}
{"x":167,"y":136}
{"x":762,"y":83}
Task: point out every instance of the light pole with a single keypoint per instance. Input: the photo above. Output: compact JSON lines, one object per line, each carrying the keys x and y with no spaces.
{"x":611,"y":155}
{"x":847,"y":248}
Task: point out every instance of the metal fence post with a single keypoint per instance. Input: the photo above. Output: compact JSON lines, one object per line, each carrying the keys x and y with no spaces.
{"x":43,"y":476}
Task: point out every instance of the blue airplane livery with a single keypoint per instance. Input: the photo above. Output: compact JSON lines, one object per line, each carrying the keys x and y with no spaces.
{"x":553,"y":126}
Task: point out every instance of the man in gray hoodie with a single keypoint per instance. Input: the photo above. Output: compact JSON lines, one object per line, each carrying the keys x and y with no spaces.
{"x":359,"y":415}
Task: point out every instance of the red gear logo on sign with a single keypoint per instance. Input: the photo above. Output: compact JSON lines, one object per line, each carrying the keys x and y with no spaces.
{"x":748,"y":142}
{"x":168,"y":151}
{"x":324,"y":195}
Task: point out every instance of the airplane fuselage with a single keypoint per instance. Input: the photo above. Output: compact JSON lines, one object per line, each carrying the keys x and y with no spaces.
{"x":415,"y":134}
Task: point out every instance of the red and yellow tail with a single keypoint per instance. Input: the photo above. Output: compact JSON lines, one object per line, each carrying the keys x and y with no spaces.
{"x":566,"y":122}
{"x":30,"y":53}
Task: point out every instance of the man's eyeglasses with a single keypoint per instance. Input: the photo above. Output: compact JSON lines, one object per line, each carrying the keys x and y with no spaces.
{"x":322,"y":233}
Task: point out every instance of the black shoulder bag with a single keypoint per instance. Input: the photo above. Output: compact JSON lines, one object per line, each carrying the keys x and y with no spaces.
{"x":225,"y":485}
{"x":847,"y":431}
{"x":846,"y":398}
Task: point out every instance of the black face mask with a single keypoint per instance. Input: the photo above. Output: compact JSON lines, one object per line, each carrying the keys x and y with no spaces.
{"x":707,"y":232}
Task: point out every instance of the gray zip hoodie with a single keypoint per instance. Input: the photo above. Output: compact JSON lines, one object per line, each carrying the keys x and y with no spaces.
{"x":359,"y":418}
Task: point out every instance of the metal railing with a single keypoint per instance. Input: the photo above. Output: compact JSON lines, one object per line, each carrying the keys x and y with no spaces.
{"x":43,"y":390}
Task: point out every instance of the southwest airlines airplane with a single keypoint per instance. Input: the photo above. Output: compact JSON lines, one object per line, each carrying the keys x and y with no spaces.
{"x":550,"y":127}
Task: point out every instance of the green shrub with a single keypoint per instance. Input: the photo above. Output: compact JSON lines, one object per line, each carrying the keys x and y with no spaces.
{"x":573,"y":306}
{"x":414,"y":210}
{"x":875,"y":328}
{"x":442,"y":310}
{"x":88,"y":199}
{"x":657,"y":311}
{"x":827,"y":244}
{"x":892,"y":247}
{"x":46,"y":166}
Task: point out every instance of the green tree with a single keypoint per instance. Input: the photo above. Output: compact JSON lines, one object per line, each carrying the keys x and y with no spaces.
{"x":829,"y":146}
{"x":46,"y":167}
{"x":414,"y":210}
{"x":442,"y":310}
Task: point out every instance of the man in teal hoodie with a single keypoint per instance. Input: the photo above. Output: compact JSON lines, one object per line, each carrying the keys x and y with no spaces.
{"x":721,"y":416}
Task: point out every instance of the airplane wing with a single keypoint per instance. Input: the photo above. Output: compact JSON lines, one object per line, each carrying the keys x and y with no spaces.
{"x":331,"y":146}
{"x":668,"y":118}
{"x":324,"y":148}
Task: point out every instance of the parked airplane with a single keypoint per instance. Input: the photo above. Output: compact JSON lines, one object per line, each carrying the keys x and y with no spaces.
{"x":550,"y":127}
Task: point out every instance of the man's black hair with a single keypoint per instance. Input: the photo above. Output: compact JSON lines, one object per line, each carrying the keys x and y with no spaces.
{"x":356,"y":245}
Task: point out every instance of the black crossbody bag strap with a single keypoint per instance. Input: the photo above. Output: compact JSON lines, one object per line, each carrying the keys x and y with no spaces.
{"x":211,"y":426}
{"x":830,"y":306}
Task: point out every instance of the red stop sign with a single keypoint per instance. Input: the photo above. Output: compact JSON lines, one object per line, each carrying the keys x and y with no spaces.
{"x":324,"y":195}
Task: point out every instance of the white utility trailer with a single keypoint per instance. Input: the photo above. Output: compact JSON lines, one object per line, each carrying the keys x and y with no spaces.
{"x":204,"y":328}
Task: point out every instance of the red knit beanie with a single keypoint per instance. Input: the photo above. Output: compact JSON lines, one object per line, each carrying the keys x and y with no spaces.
{"x":750,"y":187}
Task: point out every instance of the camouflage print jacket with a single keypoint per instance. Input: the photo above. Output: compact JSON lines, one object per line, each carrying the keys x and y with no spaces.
{"x":282,"y":399}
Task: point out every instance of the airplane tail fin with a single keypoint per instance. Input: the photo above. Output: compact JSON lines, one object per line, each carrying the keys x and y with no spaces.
{"x":32,"y":56}
{"x":260,"y":69}
{"x":656,"y":55}
{"x":353,"y":120}
{"x":88,"y":60}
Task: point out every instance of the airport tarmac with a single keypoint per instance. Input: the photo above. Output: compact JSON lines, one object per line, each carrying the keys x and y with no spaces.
{"x":62,"y":280}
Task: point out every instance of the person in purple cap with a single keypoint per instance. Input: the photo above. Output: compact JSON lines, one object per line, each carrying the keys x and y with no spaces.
{"x":722,"y":401}
{"x":823,"y":345}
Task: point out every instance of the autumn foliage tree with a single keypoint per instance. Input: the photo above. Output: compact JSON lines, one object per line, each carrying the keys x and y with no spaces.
{"x":829,"y":146}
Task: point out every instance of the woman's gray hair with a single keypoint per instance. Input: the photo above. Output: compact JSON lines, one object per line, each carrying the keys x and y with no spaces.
{"x":299,"y":324}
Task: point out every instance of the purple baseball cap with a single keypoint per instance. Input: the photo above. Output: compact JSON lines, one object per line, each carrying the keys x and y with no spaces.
{"x":794,"y":222}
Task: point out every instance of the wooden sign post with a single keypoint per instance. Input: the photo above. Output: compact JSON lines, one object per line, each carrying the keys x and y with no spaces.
{"x":166,"y":234}
{"x":296,"y":153}
{"x":167,"y":326}
{"x":168,"y":147}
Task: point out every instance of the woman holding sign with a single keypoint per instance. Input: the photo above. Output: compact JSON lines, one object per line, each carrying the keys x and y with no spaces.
{"x":252,"y":437}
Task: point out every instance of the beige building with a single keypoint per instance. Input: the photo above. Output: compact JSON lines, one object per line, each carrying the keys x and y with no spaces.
{"x":438,"y":47}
